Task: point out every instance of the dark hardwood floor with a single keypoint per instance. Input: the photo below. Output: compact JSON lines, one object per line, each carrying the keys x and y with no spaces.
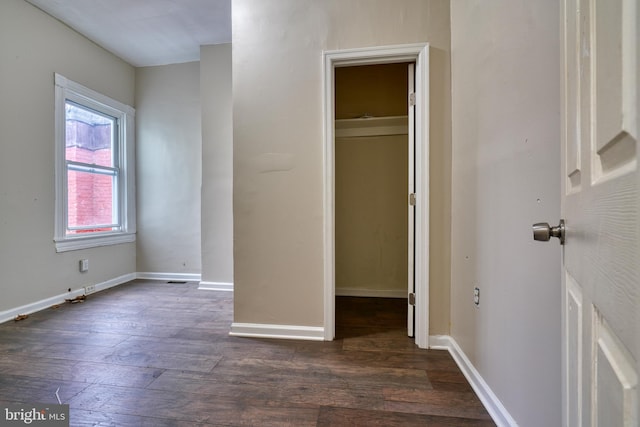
{"x":159,"y":354}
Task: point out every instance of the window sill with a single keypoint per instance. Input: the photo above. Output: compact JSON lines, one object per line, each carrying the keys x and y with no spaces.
{"x":77,"y":243}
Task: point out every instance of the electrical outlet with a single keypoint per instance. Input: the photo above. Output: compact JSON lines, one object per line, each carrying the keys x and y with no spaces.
{"x":84,"y":265}
{"x":476,"y":296}
{"x":89,"y":289}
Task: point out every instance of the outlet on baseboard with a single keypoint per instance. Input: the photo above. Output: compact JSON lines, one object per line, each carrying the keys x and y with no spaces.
{"x":89,"y":289}
{"x":84,"y":265}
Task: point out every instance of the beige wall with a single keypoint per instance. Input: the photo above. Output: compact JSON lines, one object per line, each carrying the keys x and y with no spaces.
{"x":217,"y":164}
{"x":372,"y":90}
{"x":169,"y":144}
{"x":34,"y":46}
{"x":506,"y":176}
{"x":371,"y":214}
{"x":277,"y":110}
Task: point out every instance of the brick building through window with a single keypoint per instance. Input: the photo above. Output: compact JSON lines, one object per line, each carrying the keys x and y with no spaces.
{"x":89,"y":141}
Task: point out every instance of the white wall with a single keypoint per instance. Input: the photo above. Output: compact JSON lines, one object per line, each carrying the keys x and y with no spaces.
{"x":278,"y":145}
{"x":217,"y":164}
{"x":169,"y":146}
{"x":506,"y":176}
{"x":34,"y":46}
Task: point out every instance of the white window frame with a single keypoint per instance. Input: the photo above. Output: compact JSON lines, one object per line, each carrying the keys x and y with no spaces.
{"x":66,"y":89}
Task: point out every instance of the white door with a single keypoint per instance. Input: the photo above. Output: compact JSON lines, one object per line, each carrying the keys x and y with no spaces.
{"x":411,"y":276}
{"x":601,"y":206}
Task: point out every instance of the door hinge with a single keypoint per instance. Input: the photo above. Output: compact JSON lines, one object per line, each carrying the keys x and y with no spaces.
{"x":412,"y":99}
{"x":412,"y":298}
{"x":412,"y":199}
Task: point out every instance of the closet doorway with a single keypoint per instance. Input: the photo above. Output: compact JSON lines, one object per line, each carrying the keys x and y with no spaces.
{"x":374,"y":177}
{"x":418,"y":55}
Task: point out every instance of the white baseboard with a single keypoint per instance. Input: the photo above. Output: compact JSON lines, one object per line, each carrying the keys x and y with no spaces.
{"x":59,"y":299}
{"x":115,"y":282}
{"x":216,"y":286}
{"x":496,"y":409}
{"x":375,"y":293}
{"x":180,"y":277}
{"x":290,"y":332}
{"x":439,"y":342}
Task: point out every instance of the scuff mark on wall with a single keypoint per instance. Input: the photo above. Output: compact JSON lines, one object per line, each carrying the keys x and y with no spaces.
{"x":273,"y":162}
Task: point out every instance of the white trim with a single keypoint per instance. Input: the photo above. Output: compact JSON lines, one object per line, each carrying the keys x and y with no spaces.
{"x":182,"y":277}
{"x":377,"y":55}
{"x":65,"y":89}
{"x":493,"y":405}
{"x":216,"y":286}
{"x":115,"y":282}
{"x":108,"y":103}
{"x":411,"y":210}
{"x":94,"y":241}
{"x":59,"y":299}
{"x":439,"y":342}
{"x":371,"y":293}
{"x":289,"y":332}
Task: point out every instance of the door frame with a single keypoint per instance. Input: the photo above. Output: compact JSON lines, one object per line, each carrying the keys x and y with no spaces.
{"x":418,"y":53}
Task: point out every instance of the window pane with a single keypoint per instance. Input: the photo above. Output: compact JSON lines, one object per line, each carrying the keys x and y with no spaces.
{"x":90,"y":202}
{"x":89,"y":136}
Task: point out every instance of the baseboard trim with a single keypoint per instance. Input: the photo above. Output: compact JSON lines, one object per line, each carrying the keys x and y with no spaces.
{"x":59,"y":299}
{"x":216,"y":286}
{"x":370,"y":293}
{"x":115,"y":282}
{"x":439,"y":342}
{"x":181,"y":277}
{"x":289,"y":332}
{"x":494,"y":406}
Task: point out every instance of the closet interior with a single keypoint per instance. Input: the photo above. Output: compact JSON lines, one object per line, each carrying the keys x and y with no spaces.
{"x":371,"y":184}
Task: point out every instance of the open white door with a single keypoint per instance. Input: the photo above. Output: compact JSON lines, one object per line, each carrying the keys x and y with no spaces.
{"x":601,"y":206}
{"x":411,"y":276}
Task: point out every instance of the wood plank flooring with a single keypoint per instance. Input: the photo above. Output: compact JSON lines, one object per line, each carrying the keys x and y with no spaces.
{"x":159,"y":354}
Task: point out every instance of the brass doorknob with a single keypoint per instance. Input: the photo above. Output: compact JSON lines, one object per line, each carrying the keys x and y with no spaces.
{"x":542,"y":232}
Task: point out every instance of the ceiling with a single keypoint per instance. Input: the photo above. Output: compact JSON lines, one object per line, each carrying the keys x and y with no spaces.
{"x":146,"y":32}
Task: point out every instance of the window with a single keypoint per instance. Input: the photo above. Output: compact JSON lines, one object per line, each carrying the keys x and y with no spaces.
{"x":95,"y":200}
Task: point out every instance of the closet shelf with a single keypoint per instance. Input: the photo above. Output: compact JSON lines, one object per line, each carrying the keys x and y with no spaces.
{"x":371,"y":126}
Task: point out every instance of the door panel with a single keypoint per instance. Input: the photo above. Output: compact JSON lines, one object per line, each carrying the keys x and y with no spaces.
{"x":573,"y":350}
{"x":601,"y":206}
{"x":615,"y":398}
{"x":615,"y":69}
{"x":572,"y":98}
{"x":411,"y":276}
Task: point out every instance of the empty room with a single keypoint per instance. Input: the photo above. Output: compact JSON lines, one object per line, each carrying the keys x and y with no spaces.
{"x":319,"y":212}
